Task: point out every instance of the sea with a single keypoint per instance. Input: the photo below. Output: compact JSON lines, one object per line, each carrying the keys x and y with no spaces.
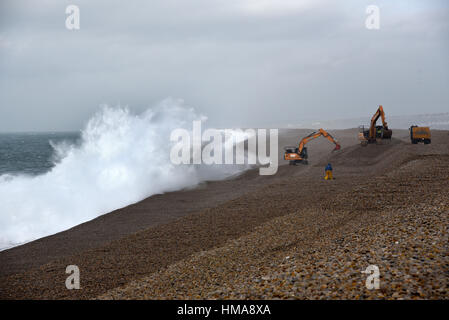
{"x":31,"y":153}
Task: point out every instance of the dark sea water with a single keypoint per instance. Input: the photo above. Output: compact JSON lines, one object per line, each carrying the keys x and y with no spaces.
{"x":31,"y":153}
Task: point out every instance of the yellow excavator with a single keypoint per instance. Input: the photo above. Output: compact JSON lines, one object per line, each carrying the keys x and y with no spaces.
{"x":299,"y":154}
{"x":375,"y":134}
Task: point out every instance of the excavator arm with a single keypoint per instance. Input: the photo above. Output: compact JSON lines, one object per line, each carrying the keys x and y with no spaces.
{"x":379,"y":114}
{"x":315,"y":135}
{"x":300,"y":154}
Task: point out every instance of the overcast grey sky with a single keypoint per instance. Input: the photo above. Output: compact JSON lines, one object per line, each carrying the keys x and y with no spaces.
{"x":239,"y":62}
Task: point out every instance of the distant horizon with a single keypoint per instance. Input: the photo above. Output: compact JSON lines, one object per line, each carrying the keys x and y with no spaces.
{"x":280,"y":126}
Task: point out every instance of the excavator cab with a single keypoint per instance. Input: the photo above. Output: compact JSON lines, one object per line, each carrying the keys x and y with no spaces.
{"x":363,"y":133}
{"x":294,"y":156}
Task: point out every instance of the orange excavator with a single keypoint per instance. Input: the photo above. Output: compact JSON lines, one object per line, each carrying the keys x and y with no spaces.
{"x":375,"y":134}
{"x":298,"y":154}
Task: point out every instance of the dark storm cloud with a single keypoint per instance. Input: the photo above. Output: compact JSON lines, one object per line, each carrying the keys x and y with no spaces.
{"x":241,"y":63}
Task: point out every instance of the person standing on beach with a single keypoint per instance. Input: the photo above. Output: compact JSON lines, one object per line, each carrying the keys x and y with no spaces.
{"x":328,"y":171}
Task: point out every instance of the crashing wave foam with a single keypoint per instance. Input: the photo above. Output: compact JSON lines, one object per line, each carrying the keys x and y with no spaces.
{"x":122,"y":158}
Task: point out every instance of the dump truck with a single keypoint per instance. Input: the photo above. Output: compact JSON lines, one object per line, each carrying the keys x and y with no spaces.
{"x":296,"y":155}
{"x":375,"y":133}
{"x":420,"y":134}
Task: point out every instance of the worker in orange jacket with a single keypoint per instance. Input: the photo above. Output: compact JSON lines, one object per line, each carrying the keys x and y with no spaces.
{"x":328,"y":171}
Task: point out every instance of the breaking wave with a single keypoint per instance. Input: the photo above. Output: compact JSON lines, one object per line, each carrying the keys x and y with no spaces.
{"x":122,"y":158}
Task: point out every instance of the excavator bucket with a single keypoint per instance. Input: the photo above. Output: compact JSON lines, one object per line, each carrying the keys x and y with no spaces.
{"x":387,"y":133}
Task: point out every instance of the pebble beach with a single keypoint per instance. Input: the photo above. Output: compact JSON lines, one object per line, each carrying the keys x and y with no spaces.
{"x":292,"y":236}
